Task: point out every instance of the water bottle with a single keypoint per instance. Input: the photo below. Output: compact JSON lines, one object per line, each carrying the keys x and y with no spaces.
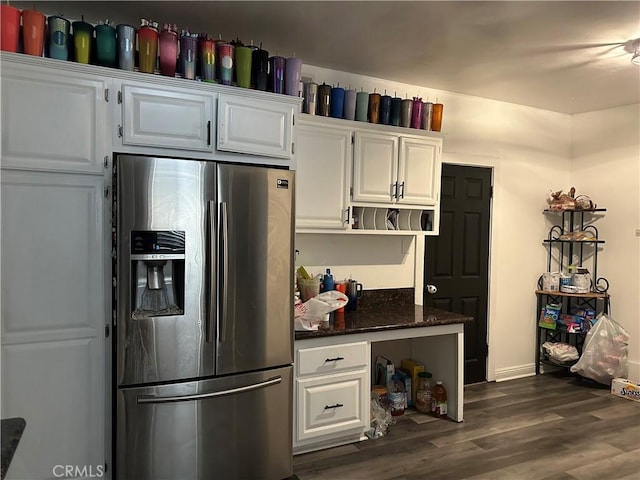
{"x":327,"y":281}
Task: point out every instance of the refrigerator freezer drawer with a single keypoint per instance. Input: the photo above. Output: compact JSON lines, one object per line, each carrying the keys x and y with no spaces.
{"x":236,"y":427}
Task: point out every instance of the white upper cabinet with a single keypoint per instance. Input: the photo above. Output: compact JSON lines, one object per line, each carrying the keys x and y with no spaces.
{"x":419,"y":171}
{"x":396,"y":169}
{"x":168,"y":117}
{"x":256,"y":126}
{"x":53,"y":119}
{"x":375,"y":167}
{"x":323,"y":176}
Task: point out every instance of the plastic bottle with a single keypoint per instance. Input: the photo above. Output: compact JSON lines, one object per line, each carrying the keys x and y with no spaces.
{"x":423,"y":392}
{"x":327,"y":281}
{"x":397,"y":396}
{"x":439,"y":400}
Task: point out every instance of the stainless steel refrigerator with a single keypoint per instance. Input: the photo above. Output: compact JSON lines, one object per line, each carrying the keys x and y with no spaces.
{"x":204,"y":320}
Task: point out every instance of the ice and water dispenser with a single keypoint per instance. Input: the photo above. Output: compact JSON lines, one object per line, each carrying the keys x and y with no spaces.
{"x":157,"y":273}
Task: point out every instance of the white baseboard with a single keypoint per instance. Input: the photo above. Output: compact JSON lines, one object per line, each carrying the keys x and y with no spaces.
{"x":511,"y":373}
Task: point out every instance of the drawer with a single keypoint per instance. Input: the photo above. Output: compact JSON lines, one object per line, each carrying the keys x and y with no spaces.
{"x":331,"y":358}
{"x":331,"y":405}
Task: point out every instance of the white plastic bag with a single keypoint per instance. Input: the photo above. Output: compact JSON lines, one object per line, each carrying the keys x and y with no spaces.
{"x":605,"y":351}
{"x":314,"y":312}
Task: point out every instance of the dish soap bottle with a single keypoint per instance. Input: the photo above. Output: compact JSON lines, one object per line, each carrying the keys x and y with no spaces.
{"x":327,"y":281}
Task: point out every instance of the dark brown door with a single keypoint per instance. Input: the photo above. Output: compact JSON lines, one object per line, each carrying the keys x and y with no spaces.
{"x":457,"y":261}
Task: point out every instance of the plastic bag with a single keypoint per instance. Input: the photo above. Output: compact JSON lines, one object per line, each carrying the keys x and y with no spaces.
{"x":381,"y":419}
{"x":561,"y":352}
{"x":314,"y":312}
{"x":605,"y":351}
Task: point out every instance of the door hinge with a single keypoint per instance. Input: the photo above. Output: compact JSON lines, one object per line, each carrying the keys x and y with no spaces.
{"x":491,"y":191}
{"x":352,"y":139}
{"x":119,"y":96}
{"x":293,"y":148}
{"x":106,"y":467}
{"x":106,"y":161}
{"x":107,"y":191}
{"x":293,"y":120}
{"x":106,"y":94}
{"x":106,"y":331}
{"x":120,"y":131}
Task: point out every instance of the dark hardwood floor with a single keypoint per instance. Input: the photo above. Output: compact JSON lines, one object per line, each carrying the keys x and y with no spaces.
{"x":549,"y":427}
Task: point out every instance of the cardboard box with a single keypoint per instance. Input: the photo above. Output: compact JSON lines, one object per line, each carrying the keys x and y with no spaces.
{"x":625,"y":388}
{"x":406,"y":380}
{"x":413,"y":368}
{"x":384,"y":371}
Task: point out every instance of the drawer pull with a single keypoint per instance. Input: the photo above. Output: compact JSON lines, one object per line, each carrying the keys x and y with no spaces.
{"x":329,"y":407}
{"x":333,"y":359}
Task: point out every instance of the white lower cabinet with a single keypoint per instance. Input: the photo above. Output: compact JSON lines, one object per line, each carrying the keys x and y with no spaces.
{"x":331,"y":393}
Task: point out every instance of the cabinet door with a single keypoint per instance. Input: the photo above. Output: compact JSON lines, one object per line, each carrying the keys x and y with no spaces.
{"x":52,"y":119}
{"x":255,"y":126}
{"x":419,"y":171}
{"x":167,"y":117}
{"x":323,"y":175}
{"x":329,"y":406}
{"x":375,"y":167}
{"x":53,"y":319}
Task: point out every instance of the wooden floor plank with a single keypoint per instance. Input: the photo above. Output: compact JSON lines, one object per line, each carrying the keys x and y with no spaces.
{"x":613,"y":467}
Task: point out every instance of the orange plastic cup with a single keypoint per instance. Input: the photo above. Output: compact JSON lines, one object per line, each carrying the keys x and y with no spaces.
{"x":33,"y":32}
{"x":342,"y":288}
{"x":10,"y":17}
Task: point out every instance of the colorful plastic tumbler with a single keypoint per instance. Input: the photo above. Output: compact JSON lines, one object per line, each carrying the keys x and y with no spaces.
{"x":405,"y":112}
{"x":33,"y":32}
{"x":337,"y":102}
{"x":416,"y":112}
{"x":385,"y":110}
{"x":168,"y":50}
{"x":396,"y":106}
{"x":207,"y":58}
{"x":436,"y":118}
{"x":427,"y":113}
{"x":147,"y":45}
{"x":293,"y":70}
{"x":349,"y":111}
{"x":58,"y":37}
{"x":82,"y":40}
{"x":106,"y":44}
{"x":188,"y":54}
{"x":276,"y":74}
{"x":225,"y":57}
{"x":126,"y":38}
{"x":373,"y":111}
{"x":324,"y":100}
{"x":362,"y":106}
{"x":243,"y":59}
{"x":10,"y":18}
{"x":260,"y":69}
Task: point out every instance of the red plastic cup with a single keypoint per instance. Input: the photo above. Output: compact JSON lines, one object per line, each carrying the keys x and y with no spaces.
{"x":10,"y":32}
{"x":33,"y":32}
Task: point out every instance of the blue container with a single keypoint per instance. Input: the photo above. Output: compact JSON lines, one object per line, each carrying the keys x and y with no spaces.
{"x":336,"y":103}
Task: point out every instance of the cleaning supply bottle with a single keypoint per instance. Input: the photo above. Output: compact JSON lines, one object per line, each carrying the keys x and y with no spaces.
{"x":327,"y":281}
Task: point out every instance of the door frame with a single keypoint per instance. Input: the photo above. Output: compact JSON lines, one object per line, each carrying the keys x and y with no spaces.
{"x":493,"y":163}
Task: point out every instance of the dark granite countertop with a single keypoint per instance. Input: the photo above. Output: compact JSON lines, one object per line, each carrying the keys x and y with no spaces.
{"x":385,"y":310}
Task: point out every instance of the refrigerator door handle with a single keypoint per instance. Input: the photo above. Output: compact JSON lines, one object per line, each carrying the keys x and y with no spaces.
{"x":212,"y":274}
{"x":145,"y":399}
{"x":223,"y":279}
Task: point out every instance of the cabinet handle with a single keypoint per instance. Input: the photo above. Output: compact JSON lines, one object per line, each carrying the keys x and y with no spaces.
{"x":402,"y":190}
{"x":348,"y":215}
{"x":333,"y":359}
{"x":209,"y":132}
{"x":395,"y":190}
{"x":329,"y":407}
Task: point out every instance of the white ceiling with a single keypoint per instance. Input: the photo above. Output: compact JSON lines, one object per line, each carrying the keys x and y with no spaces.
{"x":568,"y":57}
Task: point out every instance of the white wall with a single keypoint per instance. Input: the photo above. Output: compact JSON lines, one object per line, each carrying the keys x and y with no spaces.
{"x":529,"y":151}
{"x":606,"y":166}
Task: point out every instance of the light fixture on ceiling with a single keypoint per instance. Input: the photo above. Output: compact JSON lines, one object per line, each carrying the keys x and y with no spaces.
{"x":635,"y":59}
